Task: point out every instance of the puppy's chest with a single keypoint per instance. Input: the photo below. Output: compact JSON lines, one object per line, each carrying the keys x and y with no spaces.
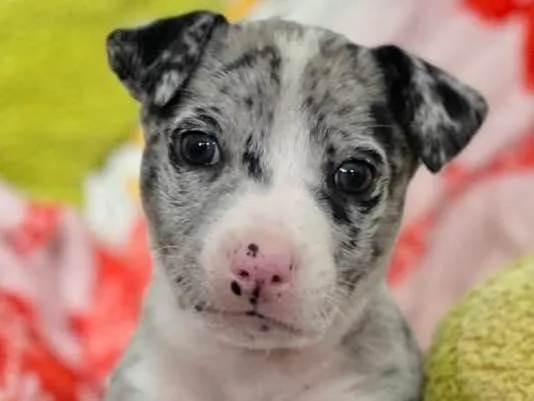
{"x":244,"y":380}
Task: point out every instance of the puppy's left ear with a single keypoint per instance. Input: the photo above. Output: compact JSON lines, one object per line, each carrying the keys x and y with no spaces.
{"x":438,"y":113}
{"x":153,"y":61}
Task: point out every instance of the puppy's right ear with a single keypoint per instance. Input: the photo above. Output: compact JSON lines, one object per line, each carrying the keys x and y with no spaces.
{"x":153,"y":61}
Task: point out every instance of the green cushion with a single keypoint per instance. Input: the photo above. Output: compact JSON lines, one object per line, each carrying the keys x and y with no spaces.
{"x":61,"y":110}
{"x":484,"y":349}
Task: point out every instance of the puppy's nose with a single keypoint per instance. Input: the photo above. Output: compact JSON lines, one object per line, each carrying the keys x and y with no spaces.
{"x":262,"y":267}
{"x":272,"y":269}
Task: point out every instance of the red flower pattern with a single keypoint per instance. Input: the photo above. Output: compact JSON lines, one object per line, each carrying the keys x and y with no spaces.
{"x":499,"y":10}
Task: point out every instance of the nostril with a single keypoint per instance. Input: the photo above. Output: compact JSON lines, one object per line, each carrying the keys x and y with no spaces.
{"x":243,"y":274}
{"x":276,"y":279}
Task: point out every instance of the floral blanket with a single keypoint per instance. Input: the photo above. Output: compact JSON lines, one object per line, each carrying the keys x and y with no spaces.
{"x":71,"y":283}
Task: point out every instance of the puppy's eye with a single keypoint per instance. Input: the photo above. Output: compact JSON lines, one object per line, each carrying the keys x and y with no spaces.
{"x":354,"y":177}
{"x":199,"y":149}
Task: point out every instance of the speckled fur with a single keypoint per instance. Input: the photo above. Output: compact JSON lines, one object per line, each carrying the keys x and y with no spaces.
{"x":287,"y":104}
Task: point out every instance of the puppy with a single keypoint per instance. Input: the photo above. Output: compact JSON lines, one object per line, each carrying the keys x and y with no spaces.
{"x":273,"y":180}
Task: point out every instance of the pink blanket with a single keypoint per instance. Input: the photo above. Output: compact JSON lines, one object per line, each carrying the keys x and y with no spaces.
{"x":67,"y":304}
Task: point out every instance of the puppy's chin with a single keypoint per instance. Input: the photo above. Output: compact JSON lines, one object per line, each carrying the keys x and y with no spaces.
{"x":258,"y":332}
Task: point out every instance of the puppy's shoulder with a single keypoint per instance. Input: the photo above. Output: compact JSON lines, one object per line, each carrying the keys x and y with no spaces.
{"x":382,"y":342}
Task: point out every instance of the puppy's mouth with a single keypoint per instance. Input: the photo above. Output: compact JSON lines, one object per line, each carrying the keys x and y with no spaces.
{"x":266,"y":321}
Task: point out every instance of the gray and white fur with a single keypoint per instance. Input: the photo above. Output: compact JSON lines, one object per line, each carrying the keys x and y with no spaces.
{"x":273,"y":179}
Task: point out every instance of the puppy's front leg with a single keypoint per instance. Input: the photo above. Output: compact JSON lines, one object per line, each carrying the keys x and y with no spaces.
{"x":358,"y":396}
{"x":127,"y":383}
{"x":125,"y":393}
{"x":395,"y":390}
{"x":122,"y":388}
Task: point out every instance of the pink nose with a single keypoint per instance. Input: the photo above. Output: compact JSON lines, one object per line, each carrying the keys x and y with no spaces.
{"x":261,"y":268}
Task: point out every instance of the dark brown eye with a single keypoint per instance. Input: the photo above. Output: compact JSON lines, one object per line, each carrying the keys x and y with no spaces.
{"x":199,"y":149}
{"x":354,"y":177}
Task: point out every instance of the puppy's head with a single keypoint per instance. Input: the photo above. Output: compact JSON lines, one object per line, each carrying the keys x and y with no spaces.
{"x":276,"y":164}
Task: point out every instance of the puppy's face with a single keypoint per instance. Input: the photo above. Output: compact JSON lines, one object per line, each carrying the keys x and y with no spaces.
{"x":276,"y":164}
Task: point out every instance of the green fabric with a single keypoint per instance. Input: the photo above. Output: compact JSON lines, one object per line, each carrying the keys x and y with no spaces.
{"x":61,"y":110}
{"x":484,"y":349}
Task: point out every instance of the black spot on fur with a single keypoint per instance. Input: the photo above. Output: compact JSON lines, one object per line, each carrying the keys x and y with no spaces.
{"x":380,"y":114}
{"x":216,"y":110}
{"x":353,"y":52}
{"x":337,"y":205}
{"x":235,"y":288}
{"x":270,"y":119}
{"x":253,"y":250}
{"x":309,"y":103}
{"x":251,"y":160}
{"x":351,"y":242}
{"x":211,"y":122}
{"x":275,"y":63}
{"x":199,"y":110}
{"x":407,"y":334}
{"x":313,"y":84}
{"x":377,"y":249}
{"x":367,"y":205}
{"x":251,"y":58}
{"x":256,"y":292}
{"x":344,"y":111}
{"x":320,"y":119}
{"x":349,"y":277}
{"x":150,"y":177}
{"x":249,"y":103}
{"x":354,"y":232}
{"x":264,"y":328}
{"x":389,"y":372}
{"x":330,"y":151}
{"x":247,"y":60}
{"x":353,"y":48}
{"x":455,"y":104}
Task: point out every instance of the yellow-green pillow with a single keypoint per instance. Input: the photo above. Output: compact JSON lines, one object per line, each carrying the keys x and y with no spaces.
{"x":61,"y":111}
{"x":484,"y":349}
